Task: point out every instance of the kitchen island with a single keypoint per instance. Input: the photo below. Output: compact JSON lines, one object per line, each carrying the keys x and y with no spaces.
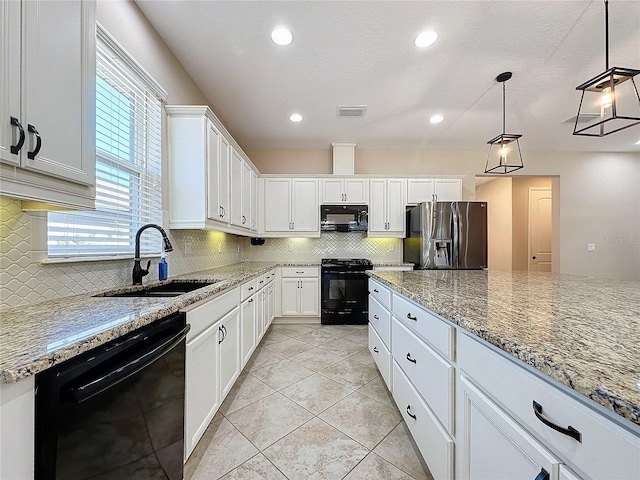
{"x":541,"y":369}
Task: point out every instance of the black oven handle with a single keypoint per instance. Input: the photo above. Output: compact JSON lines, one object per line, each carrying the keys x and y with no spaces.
{"x":130,"y":366}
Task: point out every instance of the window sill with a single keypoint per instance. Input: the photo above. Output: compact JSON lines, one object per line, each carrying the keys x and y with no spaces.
{"x":55,"y":260}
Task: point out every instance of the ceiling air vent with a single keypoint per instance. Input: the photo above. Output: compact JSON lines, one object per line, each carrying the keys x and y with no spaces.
{"x":582,"y":118}
{"x":351,"y":110}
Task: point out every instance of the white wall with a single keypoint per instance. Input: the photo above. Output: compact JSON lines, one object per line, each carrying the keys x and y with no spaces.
{"x":497,"y":193}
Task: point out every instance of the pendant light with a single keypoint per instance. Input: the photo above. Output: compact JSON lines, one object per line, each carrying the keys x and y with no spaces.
{"x":504,"y":150}
{"x":613,"y":92}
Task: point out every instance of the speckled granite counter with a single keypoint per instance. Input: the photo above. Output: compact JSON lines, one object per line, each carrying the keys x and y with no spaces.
{"x":35,"y":337}
{"x":581,"y":331}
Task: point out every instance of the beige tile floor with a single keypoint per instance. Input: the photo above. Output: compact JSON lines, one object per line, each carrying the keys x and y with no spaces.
{"x":310,"y":404}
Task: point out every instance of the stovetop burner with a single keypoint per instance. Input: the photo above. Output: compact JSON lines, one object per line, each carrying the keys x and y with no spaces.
{"x":350,"y":263}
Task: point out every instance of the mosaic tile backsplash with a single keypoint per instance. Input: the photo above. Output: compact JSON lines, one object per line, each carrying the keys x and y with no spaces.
{"x":25,"y":280}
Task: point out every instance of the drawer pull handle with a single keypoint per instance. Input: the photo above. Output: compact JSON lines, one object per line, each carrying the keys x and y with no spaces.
{"x":299,"y":272}
{"x":412,"y":360}
{"x":250,"y":288}
{"x":250,"y":300}
{"x":32,"y":155}
{"x":569,"y":431}
{"x":410,"y":317}
{"x":376,"y":290}
{"x":543,"y":475}
{"x":409,"y":412}
{"x":375,"y":349}
{"x":376,"y":317}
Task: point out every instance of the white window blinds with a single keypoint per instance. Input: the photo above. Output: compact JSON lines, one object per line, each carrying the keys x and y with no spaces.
{"x":128,"y":164}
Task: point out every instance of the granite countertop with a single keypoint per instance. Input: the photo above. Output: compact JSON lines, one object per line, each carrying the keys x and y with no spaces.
{"x":581,"y":331}
{"x":36,"y":337}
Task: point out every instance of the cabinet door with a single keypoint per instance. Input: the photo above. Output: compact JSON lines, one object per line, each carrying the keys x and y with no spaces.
{"x":259,"y":316}
{"x":212,"y":156}
{"x":305,"y":210}
{"x":248,"y":319}
{"x":290,"y":296}
{"x":254,"y":201}
{"x":246,"y":195}
{"x":224,"y":177}
{"x":420,"y":190}
{"x":377,"y":206}
{"x":495,"y":446}
{"x":271,"y":304}
{"x":448,"y":189}
{"x":237,"y":166}
{"x":356,"y":190}
{"x":9,"y":79}
{"x":229,"y":338}
{"x":310,"y":297}
{"x":277,"y":205}
{"x":59,"y":88}
{"x":202,"y":398}
{"x":396,"y":217}
{"x":332,"y":191}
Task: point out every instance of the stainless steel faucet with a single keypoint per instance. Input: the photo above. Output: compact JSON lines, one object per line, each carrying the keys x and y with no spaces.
{"x":138,"y":272}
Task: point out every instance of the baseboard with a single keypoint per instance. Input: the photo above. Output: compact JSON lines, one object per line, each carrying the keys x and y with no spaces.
{"x":285,"y":320}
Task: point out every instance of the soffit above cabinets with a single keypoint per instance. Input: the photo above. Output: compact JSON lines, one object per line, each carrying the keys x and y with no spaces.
{"x":362,"y":53}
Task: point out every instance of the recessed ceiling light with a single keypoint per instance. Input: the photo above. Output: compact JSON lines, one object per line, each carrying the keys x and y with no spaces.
{"x":436,"y":119}
{"x":282,"y":36}
{"x":426,"y":39}
{"x":295,"y":117}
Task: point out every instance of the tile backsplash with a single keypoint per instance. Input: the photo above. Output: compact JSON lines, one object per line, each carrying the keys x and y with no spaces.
{"x":25,"y":279}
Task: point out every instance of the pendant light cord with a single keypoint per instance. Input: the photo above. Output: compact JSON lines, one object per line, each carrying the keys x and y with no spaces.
{"x":606,"y":32}
{"x":503,"y":108}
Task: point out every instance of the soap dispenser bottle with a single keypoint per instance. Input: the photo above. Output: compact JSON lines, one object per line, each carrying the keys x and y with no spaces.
{"x":163,"y":268}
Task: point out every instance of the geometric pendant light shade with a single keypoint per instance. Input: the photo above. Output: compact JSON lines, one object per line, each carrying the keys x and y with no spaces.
{"x":611,"y":98}
{"x":504,"y":150}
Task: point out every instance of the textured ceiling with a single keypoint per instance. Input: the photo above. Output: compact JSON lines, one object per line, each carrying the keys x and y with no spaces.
{"x":362,"y":53}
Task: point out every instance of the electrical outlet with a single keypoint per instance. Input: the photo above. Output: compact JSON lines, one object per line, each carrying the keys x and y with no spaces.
{"x":290,"y":247}
{"x":187,"y":248}
{"x":239,"y":248}
{"x":591,"y":247}
{"x":219,"y":248}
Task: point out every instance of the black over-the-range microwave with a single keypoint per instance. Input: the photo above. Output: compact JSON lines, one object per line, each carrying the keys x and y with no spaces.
{"x":344,"y":218}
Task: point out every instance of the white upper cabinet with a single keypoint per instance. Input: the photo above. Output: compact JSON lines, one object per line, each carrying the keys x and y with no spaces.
{"x":387,"y":208}
{"x":218,"y":166}
{"x":433,"y":190}
{"x":210,"y":180}
{"x":349,"y":190}
{"x":291,"y":206}
{"x":47,"y":101}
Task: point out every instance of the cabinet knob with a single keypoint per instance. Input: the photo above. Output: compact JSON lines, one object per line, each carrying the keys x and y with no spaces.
{"x":15,"y":149}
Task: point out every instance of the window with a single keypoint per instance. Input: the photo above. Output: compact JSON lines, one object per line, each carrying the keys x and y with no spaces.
{"x":128,"y":164}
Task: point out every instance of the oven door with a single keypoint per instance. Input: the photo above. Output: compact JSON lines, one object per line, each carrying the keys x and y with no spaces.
{"x":344,"y":292}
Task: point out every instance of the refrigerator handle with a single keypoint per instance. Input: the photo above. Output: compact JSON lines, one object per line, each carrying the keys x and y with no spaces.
{"x":455,"y":246}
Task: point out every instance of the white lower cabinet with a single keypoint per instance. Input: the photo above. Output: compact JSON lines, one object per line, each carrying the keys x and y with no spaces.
{"x":496,"y":447}
{"x":300,"y":290}
{"x":248,"y":321}
{"x":435,"y":444}
{"x":229,"y":366}
{"x":202,"y":395}
{"x":381,"y":355}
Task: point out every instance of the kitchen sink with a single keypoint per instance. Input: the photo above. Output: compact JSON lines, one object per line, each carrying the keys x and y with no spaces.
{"x":172,"y":289}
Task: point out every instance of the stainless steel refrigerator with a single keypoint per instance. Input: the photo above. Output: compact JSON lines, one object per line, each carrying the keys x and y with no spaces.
{"x":447,"y":235}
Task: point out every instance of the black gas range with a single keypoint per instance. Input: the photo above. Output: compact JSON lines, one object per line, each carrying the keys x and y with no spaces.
{"x":345,"y":297}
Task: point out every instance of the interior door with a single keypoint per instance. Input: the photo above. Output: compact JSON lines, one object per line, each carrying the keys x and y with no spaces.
{"x":540,"y":229}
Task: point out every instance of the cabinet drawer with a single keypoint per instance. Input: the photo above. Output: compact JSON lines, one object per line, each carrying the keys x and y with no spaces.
{"x":380,"y":293}
{"x":434,"y":443}
{"x":300,"y":272}
{"x":432,"y":376}
{"x":425,"y":325}
{"x":380,"y":320}
{"x":606,"y":450}
{"x":381,"y":355}
{"x":261,"y":281}
{"x":269,"y":276}
{"x":248,"y":288}
{"x":202,"y":314}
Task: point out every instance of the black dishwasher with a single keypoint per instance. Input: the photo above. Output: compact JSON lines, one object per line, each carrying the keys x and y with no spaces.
{"x":116,"y":411}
